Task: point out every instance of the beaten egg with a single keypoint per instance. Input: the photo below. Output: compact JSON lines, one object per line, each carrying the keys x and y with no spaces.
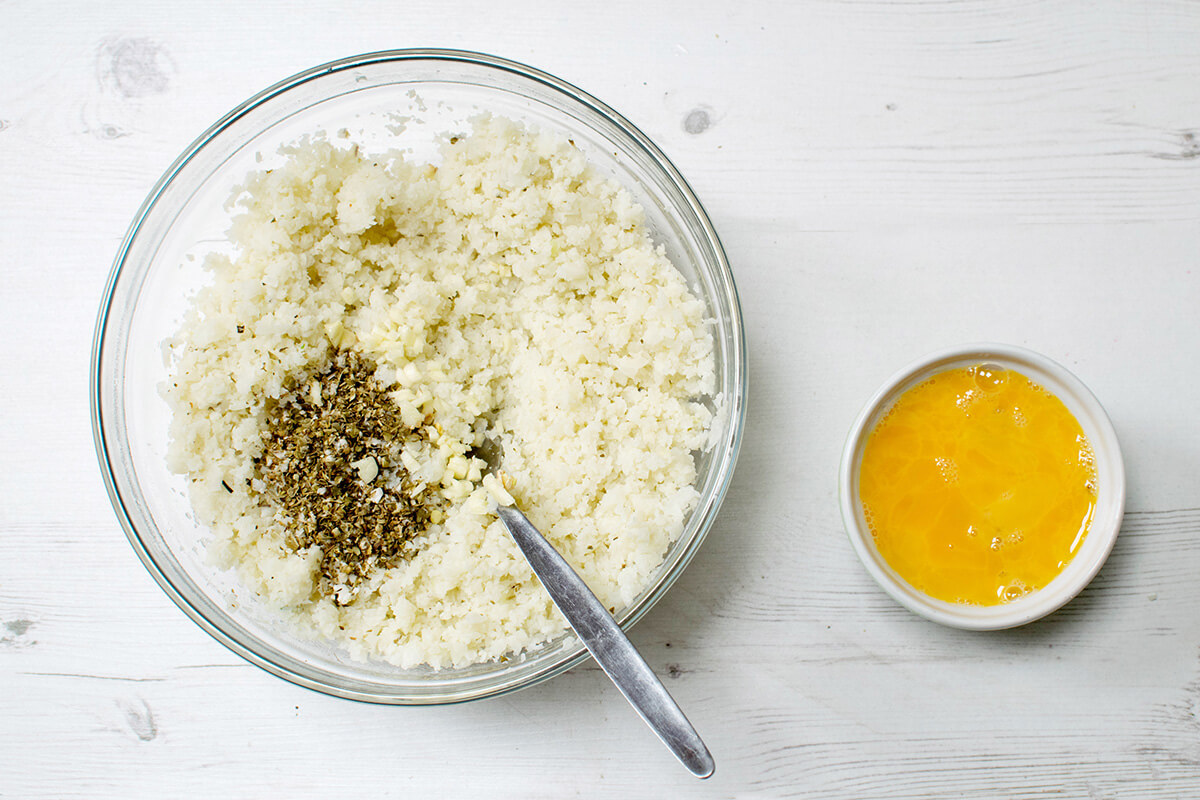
{"x":978,"y":485}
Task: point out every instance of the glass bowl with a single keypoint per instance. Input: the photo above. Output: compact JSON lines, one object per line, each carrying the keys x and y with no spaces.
{"x":1106,"y":517}
{"x":395,"y":99}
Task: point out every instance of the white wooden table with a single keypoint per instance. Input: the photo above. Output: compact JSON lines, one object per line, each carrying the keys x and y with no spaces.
{"x":888,"y":179}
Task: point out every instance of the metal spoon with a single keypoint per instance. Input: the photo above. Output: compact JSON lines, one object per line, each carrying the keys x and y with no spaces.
{"x":603,"y":638}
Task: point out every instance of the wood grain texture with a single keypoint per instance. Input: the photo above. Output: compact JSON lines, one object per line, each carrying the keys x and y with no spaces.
{"x":888,"y":178}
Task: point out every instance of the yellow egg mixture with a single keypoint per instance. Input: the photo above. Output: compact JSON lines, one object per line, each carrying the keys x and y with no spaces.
{"x":978,"y":485}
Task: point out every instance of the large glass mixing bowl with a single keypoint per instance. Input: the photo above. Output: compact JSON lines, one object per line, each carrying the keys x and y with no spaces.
{"x":396,"y":99}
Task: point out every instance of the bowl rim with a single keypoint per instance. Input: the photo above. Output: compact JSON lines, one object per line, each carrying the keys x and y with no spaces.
{"x":1102,"y":532}
{"x":706,"y":509}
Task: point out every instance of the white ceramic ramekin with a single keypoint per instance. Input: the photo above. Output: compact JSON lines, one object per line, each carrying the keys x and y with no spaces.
{"x":1110,"y":498}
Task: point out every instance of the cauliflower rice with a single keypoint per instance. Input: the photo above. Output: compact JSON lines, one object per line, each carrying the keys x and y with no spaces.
{"x":510,"y":292}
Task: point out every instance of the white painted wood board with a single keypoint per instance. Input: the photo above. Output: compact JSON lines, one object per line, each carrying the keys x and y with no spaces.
{"x":888,"y":178}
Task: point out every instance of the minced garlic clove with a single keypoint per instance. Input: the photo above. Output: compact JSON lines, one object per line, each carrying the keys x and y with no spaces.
{"x":368,"y":469}
{"x":496,"y":490}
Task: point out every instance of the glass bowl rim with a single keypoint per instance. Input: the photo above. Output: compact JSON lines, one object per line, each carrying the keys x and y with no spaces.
{"x":719,"y":266}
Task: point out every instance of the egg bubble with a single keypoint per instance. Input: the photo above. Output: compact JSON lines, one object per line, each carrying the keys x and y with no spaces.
{"x":947,"y":469}
{"x":1012,"y":591}
{"x":967,"y":401}
{"x":990,"y":377}
{"x":996,"y":543}
{"x":1087,"y":457}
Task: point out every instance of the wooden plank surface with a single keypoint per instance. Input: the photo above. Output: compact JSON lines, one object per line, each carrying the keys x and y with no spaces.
{"x":888,"y":178}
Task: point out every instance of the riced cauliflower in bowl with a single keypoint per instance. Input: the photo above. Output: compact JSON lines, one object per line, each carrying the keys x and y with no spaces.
{"x":349,"y":285}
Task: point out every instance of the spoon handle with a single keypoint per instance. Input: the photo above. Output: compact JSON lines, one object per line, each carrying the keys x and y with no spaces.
{"x":608,"y":645}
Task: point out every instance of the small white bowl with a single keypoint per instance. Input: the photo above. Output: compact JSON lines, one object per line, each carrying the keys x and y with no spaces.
{"x":1110,"y":495}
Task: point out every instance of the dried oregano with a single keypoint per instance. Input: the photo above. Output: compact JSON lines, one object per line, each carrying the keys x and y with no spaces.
{"x":331,"y":467}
